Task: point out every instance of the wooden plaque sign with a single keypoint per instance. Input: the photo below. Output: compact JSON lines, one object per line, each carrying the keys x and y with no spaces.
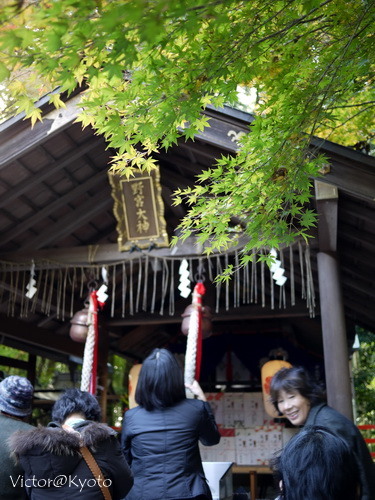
{"x":139,"y":210}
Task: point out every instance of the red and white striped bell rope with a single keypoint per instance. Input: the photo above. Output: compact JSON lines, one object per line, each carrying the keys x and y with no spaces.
{"x":90,"y":355}
{"x":193,"y":356}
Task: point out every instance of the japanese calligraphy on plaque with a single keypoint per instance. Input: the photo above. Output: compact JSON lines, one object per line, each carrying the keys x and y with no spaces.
{"x":139,"y":210}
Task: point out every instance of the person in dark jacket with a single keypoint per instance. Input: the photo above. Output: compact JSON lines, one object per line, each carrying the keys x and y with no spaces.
{"x":160,"y":436}
{"x":316,"y":465}
{"x":297,"y":397}
{"x":51,"y":457}
{"x":16,"y":396}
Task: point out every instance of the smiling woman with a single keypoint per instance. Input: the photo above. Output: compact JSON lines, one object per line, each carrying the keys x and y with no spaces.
{"x":294,"y":406}
{"x":302,"y":401}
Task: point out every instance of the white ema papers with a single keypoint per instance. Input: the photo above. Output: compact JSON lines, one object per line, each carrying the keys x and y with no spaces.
{"x":249,"y":435}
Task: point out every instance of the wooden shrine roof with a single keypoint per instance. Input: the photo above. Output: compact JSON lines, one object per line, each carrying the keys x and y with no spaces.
{"x":57,"y":208}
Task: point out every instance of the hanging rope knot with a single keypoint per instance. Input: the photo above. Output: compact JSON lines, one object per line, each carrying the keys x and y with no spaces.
{"x":92,"y":251}
{"x":200,"y":275}
{"x":200,"y":289}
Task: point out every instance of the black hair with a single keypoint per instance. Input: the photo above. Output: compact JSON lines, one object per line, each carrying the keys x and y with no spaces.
{"x":76,"y":401}
{"x":317,"y":465}
{"x":160,"y":383}
{"x":295,"y":379}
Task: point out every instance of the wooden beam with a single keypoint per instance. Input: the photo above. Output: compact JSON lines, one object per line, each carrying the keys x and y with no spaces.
{"x":66,"y":225}
{"x":356,"y":210}
{"x":14,"y":363}
{"x":363,"y":286}
{"x":206,"y":151}
{"x":357,"y":258}
{"x":28,"y":366}
{"x":347,"y":155}
{"x":355,"y":179}
{"x":350,"y":233}
{"x":46,"y":339}
{"x":35,"y":350}
{"x":358,"y":304}
{"x":31,"y":368}
{"x":174,"y":180}
{"x":26,"y":139}
{"x":104,"y":253}
{"x":241,"y":313}
{"x":222,"y":133}
{"x":126,"y":342}
{"x":326,"y":200}
{"x":45,"y":212}
{"x":50,"y":170}
{"x":19,"y":294}
{"x":173,"y":159}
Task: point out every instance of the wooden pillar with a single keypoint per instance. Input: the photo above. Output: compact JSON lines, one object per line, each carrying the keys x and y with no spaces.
{"x":103,"y":370}
{"x":31,"y":368}
{"x":336,"y":358}
{"x":253,"y":484}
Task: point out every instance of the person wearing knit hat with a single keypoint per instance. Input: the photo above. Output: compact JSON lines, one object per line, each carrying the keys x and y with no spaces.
{"x":16,"y":396}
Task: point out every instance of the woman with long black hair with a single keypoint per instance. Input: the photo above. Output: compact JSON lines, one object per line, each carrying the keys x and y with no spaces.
{"x":316,"y":464}
{"x":160,"y":436}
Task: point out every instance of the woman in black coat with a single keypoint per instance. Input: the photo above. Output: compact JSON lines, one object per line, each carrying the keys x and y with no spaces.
{"x":301,"y":401}
{"x":160,"y":436}
{"x":51,"y":457}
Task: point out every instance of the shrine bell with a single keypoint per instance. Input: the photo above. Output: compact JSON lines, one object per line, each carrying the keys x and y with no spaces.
{"x":79,"y":327}
{"x":206,"y":320}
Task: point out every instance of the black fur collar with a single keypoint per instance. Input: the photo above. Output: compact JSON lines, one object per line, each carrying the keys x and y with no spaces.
{"x":55,"y":440}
